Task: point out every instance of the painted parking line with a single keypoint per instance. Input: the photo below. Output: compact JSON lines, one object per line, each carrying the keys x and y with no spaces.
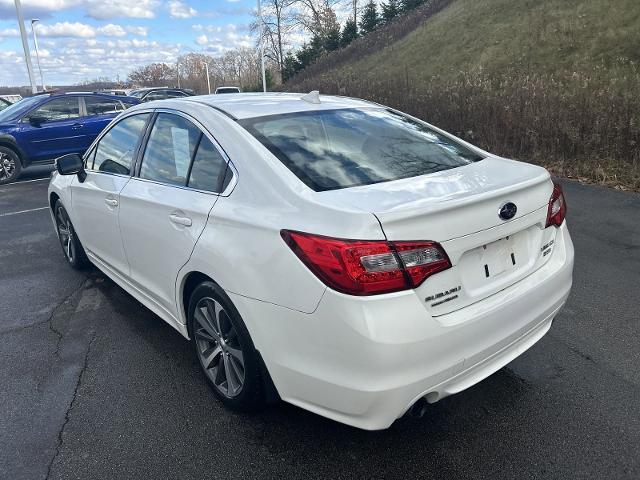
{"x":29,"y":181}
{"x":25,"y":181}
{"x":23,"y":211}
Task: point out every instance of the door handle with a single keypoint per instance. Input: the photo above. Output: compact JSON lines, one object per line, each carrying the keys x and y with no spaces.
{"x":112,"y":202}
{"x":76,"y":126}
{"x":178,"y":220}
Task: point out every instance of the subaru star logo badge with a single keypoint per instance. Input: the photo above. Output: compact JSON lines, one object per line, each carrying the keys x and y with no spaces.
{"x":507,"y":211}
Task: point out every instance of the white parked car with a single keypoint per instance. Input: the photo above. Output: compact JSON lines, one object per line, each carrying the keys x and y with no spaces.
{"x":335,"y":253}
{"x":220,"y":90}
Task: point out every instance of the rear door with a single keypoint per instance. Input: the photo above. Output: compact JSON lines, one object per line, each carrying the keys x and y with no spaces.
{"x":98,"y":113}
{"x":60,"y":132}
{"x":96,"y":200}
{"x":165,"y":208}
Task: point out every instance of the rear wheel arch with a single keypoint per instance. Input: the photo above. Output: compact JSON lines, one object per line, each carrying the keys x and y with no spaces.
{"x":189,"y":283}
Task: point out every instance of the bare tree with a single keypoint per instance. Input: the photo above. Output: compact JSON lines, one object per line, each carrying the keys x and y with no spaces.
{"x":317,"y":16}
{"x":278,"y":19}
{"x":155,"y":74}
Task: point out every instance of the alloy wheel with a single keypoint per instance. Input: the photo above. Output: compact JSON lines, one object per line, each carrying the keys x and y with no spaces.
{"x":7,"y":166}
{"x":218,"y":347}
{"x":65,"y":232}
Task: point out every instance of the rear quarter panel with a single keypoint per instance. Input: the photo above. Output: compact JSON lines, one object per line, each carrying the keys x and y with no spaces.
{"x":241,"y":247}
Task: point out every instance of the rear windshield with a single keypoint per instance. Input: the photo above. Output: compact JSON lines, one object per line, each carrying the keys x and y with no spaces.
{"x":333,"y":149}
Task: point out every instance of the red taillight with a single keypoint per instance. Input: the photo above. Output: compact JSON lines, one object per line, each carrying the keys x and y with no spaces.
{"x":557,"y":207}
{"x":360,"y":267}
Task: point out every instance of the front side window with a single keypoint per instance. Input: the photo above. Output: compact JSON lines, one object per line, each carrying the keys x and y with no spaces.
{"x":115,"y":151}
{"x":333,"y":149}
{"x":63,"y":108}
{"x":172,"y":143}
{"x":102,"y":106}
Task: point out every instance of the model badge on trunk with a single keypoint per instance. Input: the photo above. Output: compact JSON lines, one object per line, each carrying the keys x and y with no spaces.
{"x":440,"y":295}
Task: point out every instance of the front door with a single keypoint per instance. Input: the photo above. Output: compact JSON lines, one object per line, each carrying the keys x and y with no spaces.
{"x":96,"y":201}
{"x":164,"y":211}
{"x":53,"y":129}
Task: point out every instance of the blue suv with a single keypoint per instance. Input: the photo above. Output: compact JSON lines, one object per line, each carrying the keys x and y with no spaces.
{"x":38,"y":129}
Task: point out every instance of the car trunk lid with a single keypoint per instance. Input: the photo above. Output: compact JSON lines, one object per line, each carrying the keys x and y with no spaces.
{"x":460,"y":209}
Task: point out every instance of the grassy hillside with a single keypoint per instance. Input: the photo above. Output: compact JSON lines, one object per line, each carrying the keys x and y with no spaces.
{"x":555,"y":81}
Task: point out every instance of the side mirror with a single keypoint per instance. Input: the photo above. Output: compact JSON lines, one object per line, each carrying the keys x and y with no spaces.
{"x":71,"y":164}
{"x":36,"y":120}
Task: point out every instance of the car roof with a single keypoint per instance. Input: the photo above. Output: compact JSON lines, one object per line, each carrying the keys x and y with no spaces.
{"x":249,"y":105}
{"x":47,"y":95}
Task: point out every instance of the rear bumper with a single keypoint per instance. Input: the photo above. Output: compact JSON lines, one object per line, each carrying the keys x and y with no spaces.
{"x":364,"y":361}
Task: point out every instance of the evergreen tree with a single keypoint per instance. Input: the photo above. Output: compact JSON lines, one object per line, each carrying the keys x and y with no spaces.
{"x":309,"y":52}
{"x":290,"y":67}
{"x":408,"y":5}
{"x":370,"y":19}
{"x":390,"y":10}
{"x":332,"y":39}
{"x":349,"y":33}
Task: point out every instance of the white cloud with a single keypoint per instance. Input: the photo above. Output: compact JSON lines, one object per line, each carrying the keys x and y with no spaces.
{"x":67,"y":29}
{"x":221,"y":38}
{"x":107,"y":9}
{"x":111,"y":30}
{"x":98,"y":9}
{"x":140,"y":31}
{"x":178,"y":9}
{"x":9,"y":32}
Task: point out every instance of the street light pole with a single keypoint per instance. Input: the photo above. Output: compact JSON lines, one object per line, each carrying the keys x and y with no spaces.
{"x":25,"y":46}
{"x":206,"y":66}
{"x":264,"y":77}
{"x":35,"y":43}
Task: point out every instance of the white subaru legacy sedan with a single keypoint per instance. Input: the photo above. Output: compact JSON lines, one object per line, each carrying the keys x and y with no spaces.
{"x":331,"y":252}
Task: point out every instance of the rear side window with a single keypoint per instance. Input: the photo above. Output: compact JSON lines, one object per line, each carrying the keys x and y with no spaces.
{"x":208,"y":169}
{"x":115,"y":151}
{"x":63,"y":108}
{"x":333,"y":149}
{"x":102,"y":106}
{"x":172,"y":143}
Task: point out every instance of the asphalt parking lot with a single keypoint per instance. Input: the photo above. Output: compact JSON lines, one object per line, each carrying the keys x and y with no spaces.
{"x":93,"y":385}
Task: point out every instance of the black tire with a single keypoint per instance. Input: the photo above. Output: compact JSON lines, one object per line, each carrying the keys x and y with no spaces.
{"x":207,"y":340}
{"x":10,"y":165}
{"x":71,"y":246}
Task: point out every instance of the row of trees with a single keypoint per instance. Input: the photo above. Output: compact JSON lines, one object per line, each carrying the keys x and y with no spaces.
{"x":283,"y":20}
{"x":238,"y":67}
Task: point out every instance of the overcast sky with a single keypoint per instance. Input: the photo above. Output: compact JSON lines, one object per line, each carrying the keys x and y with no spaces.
{"x":84,"y":39}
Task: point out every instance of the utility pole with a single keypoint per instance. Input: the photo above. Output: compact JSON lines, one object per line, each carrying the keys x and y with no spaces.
{"x":264,"y":77}
{"x":25,"y":46}
{"x":35,"y":43}
{"x":206,"y":66}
